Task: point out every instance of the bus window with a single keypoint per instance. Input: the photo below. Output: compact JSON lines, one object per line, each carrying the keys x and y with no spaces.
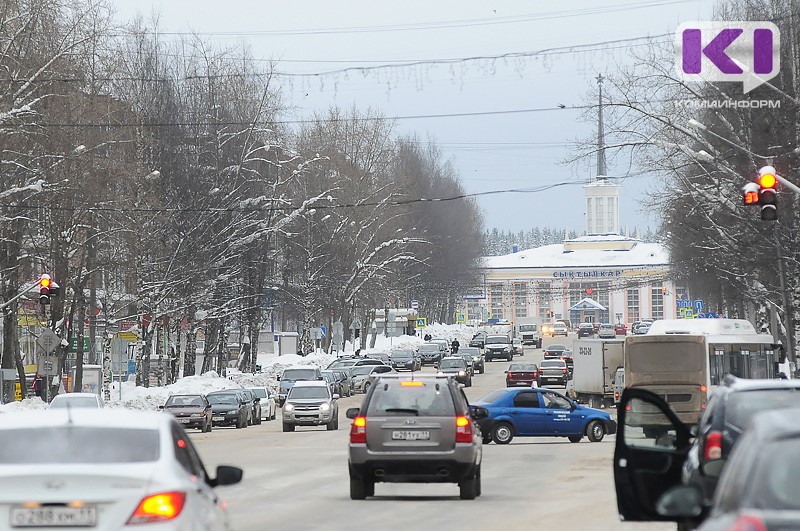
{"x":716,"y":365}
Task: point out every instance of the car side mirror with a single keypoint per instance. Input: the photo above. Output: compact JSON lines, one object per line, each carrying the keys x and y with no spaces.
{"x":352,"y":412}
{"x":227,"y":475}
{"x":682,"y":501}
{"x":335,"y":396}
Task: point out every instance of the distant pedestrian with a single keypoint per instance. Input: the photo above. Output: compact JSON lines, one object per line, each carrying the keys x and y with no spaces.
{"x":427,"y":337}
{"x":38,"y":385}
{"x":454,"y":346}
{"x":358,"y":353}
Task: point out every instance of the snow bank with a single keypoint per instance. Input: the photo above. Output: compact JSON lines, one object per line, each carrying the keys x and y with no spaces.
{"x":28,"y":404}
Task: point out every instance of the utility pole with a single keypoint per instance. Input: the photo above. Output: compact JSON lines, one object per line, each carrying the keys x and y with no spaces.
{"x":91,"y":259}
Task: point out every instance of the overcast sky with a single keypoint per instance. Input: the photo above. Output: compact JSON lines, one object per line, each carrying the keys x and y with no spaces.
{"x":500,"y":151}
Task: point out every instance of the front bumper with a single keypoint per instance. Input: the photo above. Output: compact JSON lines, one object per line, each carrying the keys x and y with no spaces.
{"x":610,"y":426}
{"x":191,"y":422}
{"x":308,"y":417}
{"x":225,"y":419}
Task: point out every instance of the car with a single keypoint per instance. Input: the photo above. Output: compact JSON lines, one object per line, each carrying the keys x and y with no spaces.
{"x":477,"y":358}
{"x":255,"y":406}
{"x":641,"y":329}
{"x":361,"y":378}
{"x":381,"y":356}
{"x":417,"y":429}
{"x":456,"y":367}
{"x":310,"y":403}
{"x":229,"y":408}
{"x":343,"y":379}
{"x":729,"y":412}
{"x":110,"y":469}
{"x":345,"y":363}
{"x":620,"y":329}
{"x":300,"y":374}
{"x":191,"y":411}
{"x":478,"y":340}
{"x":757,"y":484}
{"x":585,"y":330}
{"x":498,"y":346}
{"x":547,"y":329}
{"x":430,"y":354}
{"x":560,"y":329}
{"x":540,"y":412}
{"x":268,"y":405}
{"x":74,"y":400}
{"x":406,"y":359}
{"x":330,"y":378}
{"x":444,"y":345}
{"x":517,"y":348}
{"x":606,"y":331}
{"x":554,"y":351}
{"x":522,"y":373}
{"x":467,"y":357}
{"x":553,"y":371}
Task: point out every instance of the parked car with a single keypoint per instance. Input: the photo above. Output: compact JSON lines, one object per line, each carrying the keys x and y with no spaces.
{"x":478,"y":340}
{"x":729,"y":412}
{"x":73,"y":400}
{"x":585,"y":330}
{"x":444,"y":345}
{"x":477,"y":358}
{"x":498,"y":346}
{"x":229,"y":408}
{"x":418,"y":430}
{"x":757,"y":485}
{"x":522,"y":374}
{"x":517,"y":348}
{"x":311,"y":403}
{"x":553,"y":371}
{"x":300,"y":374}
{"x":606,"y":331}
{"x":406,"y":359}
{"x":560,"y":329}
{"x":361,"y":378}
{"x":255,"y":406}
{"x":641,"y":328}
{"x":268,"y":405}
{"x":330,"y":378}
{"x":343,"y":379}
{"x":430,"y":354}
{"x":381,"y":356}
{"x":191,"y":411}
{"x":106,"y":469}
{"x":456,"y":367}
{"x":620,"y":329}
{"x":350,"y":361}
{"x":540,"y":412}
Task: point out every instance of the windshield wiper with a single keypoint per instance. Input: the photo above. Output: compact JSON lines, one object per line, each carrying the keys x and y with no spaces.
{"x":402,"y":410}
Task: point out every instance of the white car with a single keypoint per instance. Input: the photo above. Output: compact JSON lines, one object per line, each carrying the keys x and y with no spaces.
{"x":105,"y":469}
{"x":268,"y":406}
{"x":73,"y":400}
{"x":606,"y":331}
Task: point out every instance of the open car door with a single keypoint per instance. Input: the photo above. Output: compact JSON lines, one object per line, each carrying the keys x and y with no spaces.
{"x":651,"y":447}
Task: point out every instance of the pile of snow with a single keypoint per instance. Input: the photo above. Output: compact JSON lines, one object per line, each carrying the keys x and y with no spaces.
{"x":26,"y":405}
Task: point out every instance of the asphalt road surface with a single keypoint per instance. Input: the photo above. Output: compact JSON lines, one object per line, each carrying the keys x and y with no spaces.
{"x":299,"y":480}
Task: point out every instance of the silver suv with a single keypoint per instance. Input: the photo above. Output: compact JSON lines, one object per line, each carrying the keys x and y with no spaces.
{"x":310,"y":403}
{"x":413,"y":429}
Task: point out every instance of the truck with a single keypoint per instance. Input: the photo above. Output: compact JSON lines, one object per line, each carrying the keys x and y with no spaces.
{"x":527,"y":329}
{"x":595,"y":364}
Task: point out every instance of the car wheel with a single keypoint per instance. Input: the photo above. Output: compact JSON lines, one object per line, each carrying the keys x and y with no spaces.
{"x":331,"y":425}
{"x":250,"y":419}
{"x":468,"y":488}
{"x":369,"y":488}
{"x":502,"y":433}
{"x":210,"y":426}
{"x":258,"y":418}
{"x":595,"y":431}
{"x":358,"y":489}
{"x":487,"y":438}
{"x":481,"y":369}
{"x":288,"y":427}
{"x":366,"y":387}
{"x":575,"y":438}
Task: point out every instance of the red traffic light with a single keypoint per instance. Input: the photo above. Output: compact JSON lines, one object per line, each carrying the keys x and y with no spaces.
{"x":767,"y":180}
{"x":45,"y":281}
{"x":751,"y":198}
{"x":589,"y":291}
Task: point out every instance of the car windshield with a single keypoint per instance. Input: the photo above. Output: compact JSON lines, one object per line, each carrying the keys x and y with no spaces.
{"x":74,"y":401}
{"x":551,"y":364}
{"x":225,"y":398}
{"x":496,"y":340}
{"x":184,"y":401}
{"x":429,"y":347}
{"x":556,"y":348}
{"x":328,"y":377}
{"x":559,"y":325}
{"x":418,"y":398}
{"x":259,"y":392}
{"x":493,"y":396}
{"x":527,"y":328}
{"x":522,"y":367}
{"x":79,"y":445}
{"x":742,"y":406}
{"x":585,"y":325}
{"x":469,"y":350}
{"x":302,"y":392}
{"x":360,"y":371}
{"x":402,"y":354}
{"x":452,"y":364}
{"x":294,"y":375}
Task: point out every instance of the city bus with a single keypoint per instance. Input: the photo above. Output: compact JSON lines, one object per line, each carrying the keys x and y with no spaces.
{"x":682,"y":360}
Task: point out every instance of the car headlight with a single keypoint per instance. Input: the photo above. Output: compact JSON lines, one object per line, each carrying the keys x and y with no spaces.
{"x":462,"y":373}
{"x":324,"y":406}
{"x":198,"y":414}
{"x":507,"y":349}
{"x":476,"y":358}
{"x":288,"y":407}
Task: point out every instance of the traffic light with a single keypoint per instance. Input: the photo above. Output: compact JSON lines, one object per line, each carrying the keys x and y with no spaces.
{"x":767,"y":193}
{"x":751,"y":194}
{"x":47,"y":289}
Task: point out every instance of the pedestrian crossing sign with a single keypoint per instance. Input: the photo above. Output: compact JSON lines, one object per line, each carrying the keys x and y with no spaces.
{"x":422,"y":322}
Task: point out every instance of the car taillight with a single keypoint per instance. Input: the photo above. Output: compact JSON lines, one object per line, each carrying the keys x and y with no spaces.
{"x":748,"y":522}
{"x":535,"y":374}
{"x":713,"y":448}
{"x":358,"y":432}
{"x":463,"y":430}
{"x":565,"y":370}
{"x":158,"y":508}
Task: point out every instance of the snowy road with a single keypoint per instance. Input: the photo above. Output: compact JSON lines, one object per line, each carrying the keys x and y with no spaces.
{"x":299,"y":481}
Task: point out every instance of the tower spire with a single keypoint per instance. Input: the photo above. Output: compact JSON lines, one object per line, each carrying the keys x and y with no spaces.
{"x":601,"y":147}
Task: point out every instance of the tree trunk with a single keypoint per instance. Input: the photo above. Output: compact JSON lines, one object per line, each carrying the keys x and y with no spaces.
{"x":222,"y":349}
{"x":210,"y":348}
{"x":189,"y":356}
{"x":79,"y":343}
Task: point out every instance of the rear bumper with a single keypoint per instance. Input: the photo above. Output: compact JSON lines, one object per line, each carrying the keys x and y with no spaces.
{"x":421,"y":467}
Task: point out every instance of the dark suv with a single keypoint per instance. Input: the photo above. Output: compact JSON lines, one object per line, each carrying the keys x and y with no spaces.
{"x":585,"y":330}
{"x":415,"y":430}
{"x":730,"y":410}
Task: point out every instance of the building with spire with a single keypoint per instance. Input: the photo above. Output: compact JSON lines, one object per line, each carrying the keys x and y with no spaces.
{"x":602,"y":276}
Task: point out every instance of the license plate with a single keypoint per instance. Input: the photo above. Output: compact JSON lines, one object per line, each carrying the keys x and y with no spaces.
{"x":54,"y":517}
{"x":184,"y":421}
{"x":219,"y":417}
{"x":411,"y":435}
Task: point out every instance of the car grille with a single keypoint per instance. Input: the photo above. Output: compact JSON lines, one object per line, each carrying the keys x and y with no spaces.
{"x":306,"y":407}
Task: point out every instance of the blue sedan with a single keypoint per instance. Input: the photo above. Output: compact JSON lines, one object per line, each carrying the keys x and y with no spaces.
{"x":540,"y":412}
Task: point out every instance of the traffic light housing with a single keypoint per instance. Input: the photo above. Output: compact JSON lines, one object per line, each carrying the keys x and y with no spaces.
{"x":768,"y":193}
{"x":47,"y":289}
